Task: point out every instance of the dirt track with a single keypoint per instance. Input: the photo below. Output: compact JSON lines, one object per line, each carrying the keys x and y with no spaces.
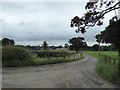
{"x":78,"y":74}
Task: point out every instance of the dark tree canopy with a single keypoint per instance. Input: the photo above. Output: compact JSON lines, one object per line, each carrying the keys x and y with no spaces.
{"x":111,"y":34}
{"x":96,"y":10}
{"x":95,"y":47}
{"x":100,"y":37}
{"x":6,"y":41}
{"x":66,"y":46}
{"x":77,"y":43}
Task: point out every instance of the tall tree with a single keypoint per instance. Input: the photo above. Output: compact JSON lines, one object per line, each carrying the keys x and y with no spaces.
{"x":111,"y":34}
{"x":76,"y":43}
{"x":99,"y":40}
{"x":96,"y":10}
{"x":45,"y":45}
{"x":6,"y":41}
{"x":95,"y":47}
{"x":66,"y":46}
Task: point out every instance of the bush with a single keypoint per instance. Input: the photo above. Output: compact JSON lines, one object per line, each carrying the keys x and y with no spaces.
{"x":13,"y":56}
{"x":54,"y":53}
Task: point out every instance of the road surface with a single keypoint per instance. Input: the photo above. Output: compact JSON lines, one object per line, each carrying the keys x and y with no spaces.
{"x":78,"y":74}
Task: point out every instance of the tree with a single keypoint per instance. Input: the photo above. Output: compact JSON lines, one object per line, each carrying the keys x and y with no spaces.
{"x":76,"y":43}
{"x":95,"y":14}
{"x":66,"y":46}
{"x":111,"y":34}
{"x":105,"y":48}
{"x":95,"y":47}
{"x":60,"y":46}
{"x":6,"y":41}
{"x":96,"y":10}
{"x":99,"y":40}
{"x":52,"y":47}
{"x":45,"y":45}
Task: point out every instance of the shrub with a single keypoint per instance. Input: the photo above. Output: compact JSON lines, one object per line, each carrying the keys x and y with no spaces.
{"x":12,"y":55}
{"x":53,"y":53}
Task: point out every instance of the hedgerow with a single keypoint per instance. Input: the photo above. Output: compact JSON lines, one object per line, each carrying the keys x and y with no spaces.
{"x":13,"y":55}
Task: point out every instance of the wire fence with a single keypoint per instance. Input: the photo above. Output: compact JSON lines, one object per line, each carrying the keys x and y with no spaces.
{"x":109,"y":59}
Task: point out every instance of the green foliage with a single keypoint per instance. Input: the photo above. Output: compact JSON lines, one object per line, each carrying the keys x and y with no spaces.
{"x":6,"y":41}
{"x":95,"y":47}
{"x":53,"y":53}
{"x":53,"y":60}
{"x":66,"y":46}
{"x":111,"y":34}
{"x":13,"y":56}
{"x":77,"y":43}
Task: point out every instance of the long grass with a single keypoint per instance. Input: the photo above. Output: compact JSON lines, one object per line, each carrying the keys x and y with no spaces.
{"x":41,"y":61}
{"x":106,"y":70}
{"x":53,"y":60}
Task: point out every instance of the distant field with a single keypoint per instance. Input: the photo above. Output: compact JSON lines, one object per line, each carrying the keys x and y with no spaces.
{"x":113,"y":54}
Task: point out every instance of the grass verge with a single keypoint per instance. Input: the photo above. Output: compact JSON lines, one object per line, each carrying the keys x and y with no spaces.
{"x":106,"y":70}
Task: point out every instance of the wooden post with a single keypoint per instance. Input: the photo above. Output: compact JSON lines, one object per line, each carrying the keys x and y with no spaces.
{"x":110,"y":60}
{"x":74,"y":56}
{"x":114,"y":60}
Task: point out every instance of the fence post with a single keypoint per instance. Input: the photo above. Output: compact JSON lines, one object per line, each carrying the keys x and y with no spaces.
{"x":114,"y":60}
{"x":74,"y":56}
{"x":109,"y":60}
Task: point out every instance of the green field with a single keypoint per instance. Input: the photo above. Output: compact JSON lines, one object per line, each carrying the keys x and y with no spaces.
{"x":113,"y":54}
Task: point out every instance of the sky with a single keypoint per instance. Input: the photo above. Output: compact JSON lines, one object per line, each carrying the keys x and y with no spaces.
{"x":31,"y":23}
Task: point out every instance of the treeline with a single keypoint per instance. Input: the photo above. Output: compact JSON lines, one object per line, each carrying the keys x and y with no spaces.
{"x":75,"y":44}
{"x":96,"y":47}
{"x":19,"y":55}
{"x":44,"y":46}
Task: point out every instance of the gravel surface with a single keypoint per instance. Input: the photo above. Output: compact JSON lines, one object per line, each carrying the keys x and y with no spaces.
{"x":78,"y":74}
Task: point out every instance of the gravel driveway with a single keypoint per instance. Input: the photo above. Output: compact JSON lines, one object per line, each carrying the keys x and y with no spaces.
{"x":78,"y":74}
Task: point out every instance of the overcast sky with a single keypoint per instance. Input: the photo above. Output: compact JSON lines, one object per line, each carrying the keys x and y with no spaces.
{"x":31,"y":23}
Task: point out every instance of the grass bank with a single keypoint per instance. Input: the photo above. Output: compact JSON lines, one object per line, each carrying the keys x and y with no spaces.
{"x":106,"y":70}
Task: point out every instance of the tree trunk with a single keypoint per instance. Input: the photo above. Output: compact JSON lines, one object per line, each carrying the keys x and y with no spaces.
{"x":99,"y":49}
{"x":76,"y":51}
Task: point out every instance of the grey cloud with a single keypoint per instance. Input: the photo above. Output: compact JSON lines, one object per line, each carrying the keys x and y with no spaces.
{"x":43,"y":21}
